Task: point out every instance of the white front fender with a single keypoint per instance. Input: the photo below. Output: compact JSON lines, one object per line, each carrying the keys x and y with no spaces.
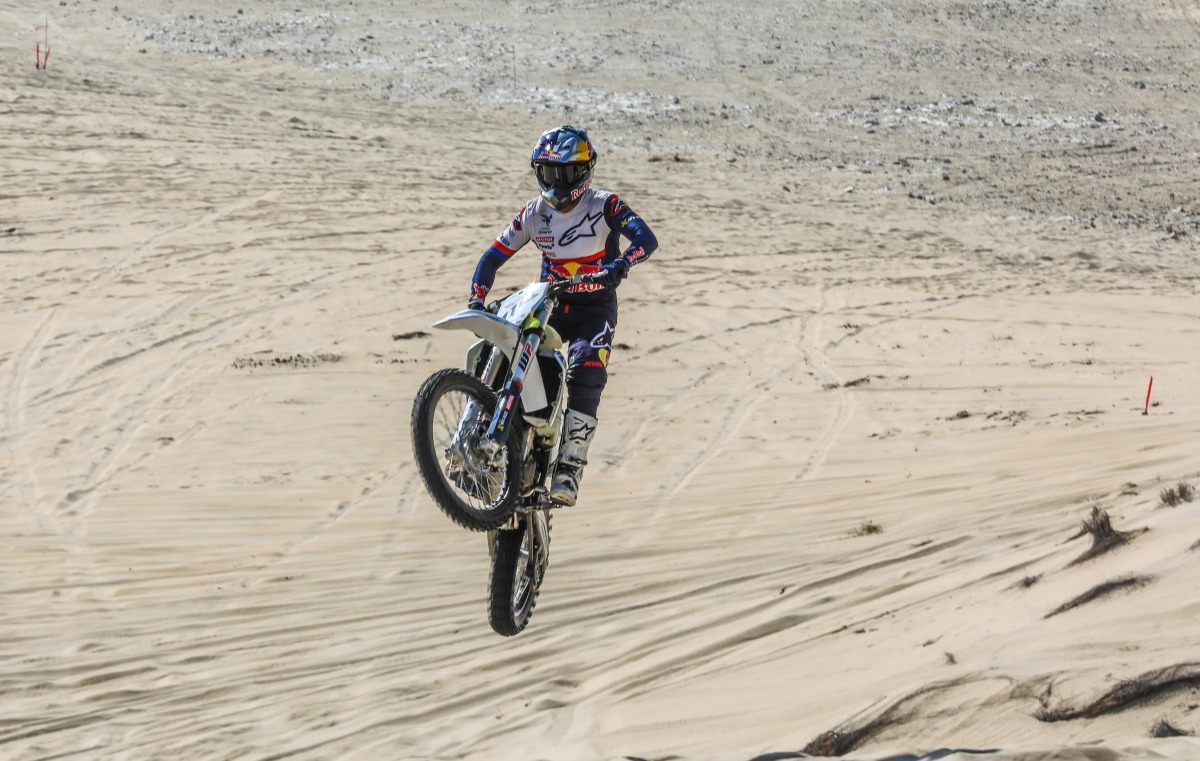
{"x":486,"y":325}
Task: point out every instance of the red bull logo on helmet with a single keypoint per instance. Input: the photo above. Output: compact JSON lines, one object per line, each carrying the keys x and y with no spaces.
{"x":564,"y":145}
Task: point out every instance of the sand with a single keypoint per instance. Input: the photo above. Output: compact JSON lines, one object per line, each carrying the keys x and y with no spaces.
{"x":919,"y":262}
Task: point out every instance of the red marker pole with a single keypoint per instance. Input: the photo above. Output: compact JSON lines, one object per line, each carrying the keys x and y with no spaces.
{"x":45,"y":59}
{"x":1147,"y":410}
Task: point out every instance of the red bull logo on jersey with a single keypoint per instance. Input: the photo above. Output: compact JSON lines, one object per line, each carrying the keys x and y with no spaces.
{"x":567,"y":270}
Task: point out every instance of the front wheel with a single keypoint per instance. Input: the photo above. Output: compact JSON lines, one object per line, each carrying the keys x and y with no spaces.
{"x":519,"y":558}
{"x":451,"y":414}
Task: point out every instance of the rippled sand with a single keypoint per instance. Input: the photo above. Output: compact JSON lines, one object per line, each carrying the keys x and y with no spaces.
{"x":919,"y":263}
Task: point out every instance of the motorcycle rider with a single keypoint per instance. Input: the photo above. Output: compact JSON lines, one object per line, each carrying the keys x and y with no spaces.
{"x":577,"y":229}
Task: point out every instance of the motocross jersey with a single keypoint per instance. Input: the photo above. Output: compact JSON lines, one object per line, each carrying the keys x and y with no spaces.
{"x":581,"y":240}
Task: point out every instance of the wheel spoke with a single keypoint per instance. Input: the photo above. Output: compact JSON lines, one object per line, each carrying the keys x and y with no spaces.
{"x":451,"y":416}
{"x":522,"y":578}
{"x":459,"y":421}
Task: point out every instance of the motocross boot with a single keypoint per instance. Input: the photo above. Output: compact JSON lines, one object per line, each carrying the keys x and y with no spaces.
{"x":578,"y":430}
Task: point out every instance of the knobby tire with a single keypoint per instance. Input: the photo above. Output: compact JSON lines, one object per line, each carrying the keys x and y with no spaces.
{"x":430,"y":462}
{"x":510,"y":606}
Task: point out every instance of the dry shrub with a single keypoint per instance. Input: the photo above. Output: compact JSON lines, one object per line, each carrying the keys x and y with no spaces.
{"x":1099,"y":525}
{"x":866,"y":528}
{"x":1104,"y":536}
{"x":1181,"y":492}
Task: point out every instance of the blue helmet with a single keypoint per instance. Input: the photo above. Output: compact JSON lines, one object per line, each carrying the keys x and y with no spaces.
{"x":562,"y":163}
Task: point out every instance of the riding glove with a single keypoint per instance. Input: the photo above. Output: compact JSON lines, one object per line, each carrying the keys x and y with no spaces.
{"x":614,"y":272}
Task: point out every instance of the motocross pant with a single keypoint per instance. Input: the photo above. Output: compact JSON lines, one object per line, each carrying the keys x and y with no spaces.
{"x":587,"y":329}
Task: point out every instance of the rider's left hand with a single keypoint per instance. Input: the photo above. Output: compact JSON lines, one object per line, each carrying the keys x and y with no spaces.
{"x":614,"y":272}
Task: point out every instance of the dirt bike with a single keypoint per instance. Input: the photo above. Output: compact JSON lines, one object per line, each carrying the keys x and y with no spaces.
{"x":485,"y":440}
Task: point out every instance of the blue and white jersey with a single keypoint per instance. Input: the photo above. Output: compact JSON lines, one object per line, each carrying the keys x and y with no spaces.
{"x":580,"y":240}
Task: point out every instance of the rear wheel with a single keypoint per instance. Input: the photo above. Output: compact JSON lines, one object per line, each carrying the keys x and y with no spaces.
{"x":451,"y":414}
{"x":516,"y":577}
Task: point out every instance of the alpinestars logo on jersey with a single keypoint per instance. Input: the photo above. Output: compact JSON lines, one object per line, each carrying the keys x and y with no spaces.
{"x":577,"y":231}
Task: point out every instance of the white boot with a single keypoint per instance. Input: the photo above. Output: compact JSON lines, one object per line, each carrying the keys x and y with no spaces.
{"x":578,"y":430}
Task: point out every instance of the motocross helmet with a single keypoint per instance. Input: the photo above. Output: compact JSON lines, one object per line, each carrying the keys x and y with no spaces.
{"x":562,"y":163}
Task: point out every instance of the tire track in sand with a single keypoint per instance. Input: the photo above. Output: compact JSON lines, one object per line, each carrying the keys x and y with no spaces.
{"x":25,"y":483}
{"x":816,"y":358}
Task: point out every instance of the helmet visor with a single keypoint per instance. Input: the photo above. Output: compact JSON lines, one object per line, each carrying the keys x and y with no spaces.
{"x":560,"y":176}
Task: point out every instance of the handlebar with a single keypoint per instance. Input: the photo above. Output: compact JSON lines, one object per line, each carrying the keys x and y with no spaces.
{"x":557,"y":289}
{"x":581,"y":278}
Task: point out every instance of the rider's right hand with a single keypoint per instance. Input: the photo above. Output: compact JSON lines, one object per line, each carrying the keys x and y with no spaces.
{"x":479,"y":292}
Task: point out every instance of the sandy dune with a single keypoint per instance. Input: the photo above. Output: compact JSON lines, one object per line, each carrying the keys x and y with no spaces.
{"x":919,"y":263}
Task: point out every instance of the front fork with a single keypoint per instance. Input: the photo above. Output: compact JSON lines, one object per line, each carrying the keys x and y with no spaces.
{"x":508,"y":404}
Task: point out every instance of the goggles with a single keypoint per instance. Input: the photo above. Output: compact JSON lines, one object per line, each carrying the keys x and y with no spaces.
{"x":560,"y":176}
